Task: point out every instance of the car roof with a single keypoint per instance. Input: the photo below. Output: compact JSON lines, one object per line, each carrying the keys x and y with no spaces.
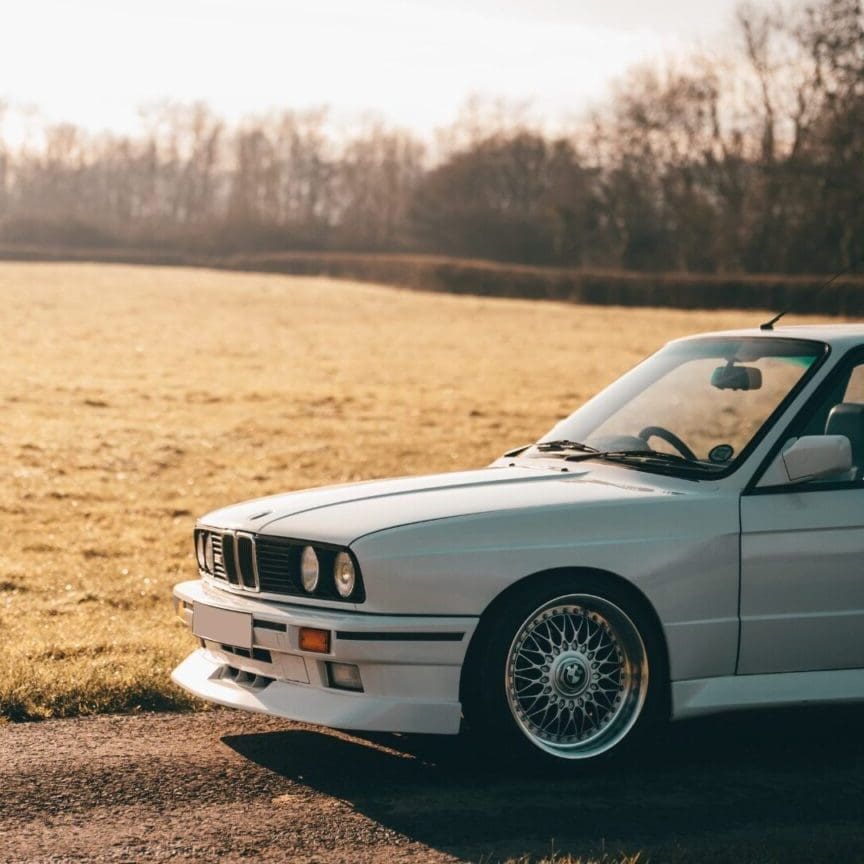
{"x":836,"y":335}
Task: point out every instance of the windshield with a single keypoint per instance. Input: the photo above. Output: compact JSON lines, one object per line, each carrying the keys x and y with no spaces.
{"x":694,"y":406}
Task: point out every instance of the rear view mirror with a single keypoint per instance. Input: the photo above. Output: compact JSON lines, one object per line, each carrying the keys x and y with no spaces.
{"x":731,"y":377}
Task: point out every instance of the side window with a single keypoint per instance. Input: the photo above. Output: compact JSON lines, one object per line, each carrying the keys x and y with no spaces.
{"x":841,"y":412}
{"x":855,"y":388}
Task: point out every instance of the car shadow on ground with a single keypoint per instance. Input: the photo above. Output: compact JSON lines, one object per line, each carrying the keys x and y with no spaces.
{"x":790,"y":781}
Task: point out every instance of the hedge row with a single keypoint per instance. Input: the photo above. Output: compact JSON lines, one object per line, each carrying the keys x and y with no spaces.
{"x":804,"y":294}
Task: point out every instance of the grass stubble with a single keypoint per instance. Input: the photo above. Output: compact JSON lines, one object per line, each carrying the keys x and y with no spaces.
{"x":135,"y":399}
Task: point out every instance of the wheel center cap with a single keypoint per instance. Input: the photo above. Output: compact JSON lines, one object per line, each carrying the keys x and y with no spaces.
{"x":571,"y":675}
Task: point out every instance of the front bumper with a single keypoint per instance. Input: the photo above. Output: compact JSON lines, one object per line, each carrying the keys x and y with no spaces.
{"x":410,"y":666}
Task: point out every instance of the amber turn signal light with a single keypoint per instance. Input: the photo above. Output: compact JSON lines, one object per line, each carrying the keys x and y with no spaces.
{"x":312,"y":639}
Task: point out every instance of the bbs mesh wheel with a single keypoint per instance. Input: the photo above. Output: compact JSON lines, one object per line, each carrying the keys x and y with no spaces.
{"x":576,"y":676}
{"x":565,"y":671}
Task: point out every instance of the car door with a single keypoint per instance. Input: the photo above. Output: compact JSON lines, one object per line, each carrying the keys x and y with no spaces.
{"x":802,"y":553}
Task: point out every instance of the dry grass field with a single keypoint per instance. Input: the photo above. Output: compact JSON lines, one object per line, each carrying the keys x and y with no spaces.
{"x":136,"y":398}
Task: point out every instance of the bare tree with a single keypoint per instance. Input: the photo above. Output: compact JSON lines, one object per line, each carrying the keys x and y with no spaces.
{"x":749,"y":161}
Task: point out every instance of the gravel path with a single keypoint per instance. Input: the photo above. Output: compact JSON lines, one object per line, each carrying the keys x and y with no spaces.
{"x":225,"y":786}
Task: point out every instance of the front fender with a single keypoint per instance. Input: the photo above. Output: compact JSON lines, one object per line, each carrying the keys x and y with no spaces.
{"x":680,"y":552}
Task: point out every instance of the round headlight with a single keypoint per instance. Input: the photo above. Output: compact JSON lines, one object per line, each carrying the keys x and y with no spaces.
{"x":309,"y":569}
{"x":343,"y":575}
{"x":209,"y":562}
{"x":199,"y":548}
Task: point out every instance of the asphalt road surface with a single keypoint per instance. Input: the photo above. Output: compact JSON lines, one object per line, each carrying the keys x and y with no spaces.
{"x":226,"y":786}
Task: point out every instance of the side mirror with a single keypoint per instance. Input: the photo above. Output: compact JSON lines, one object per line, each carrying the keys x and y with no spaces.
{"x":731,"y":377}
{"x":810,"y":458}
{"x":816,"y":456}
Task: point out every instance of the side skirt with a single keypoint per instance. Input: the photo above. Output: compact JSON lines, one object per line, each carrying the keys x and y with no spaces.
{"x":740,"y":692}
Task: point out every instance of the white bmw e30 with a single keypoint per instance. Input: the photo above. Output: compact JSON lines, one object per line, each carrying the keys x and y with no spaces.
{"x":689,"y":541}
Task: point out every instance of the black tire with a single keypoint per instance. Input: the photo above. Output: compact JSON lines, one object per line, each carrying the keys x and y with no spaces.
{"x":500,"y":690}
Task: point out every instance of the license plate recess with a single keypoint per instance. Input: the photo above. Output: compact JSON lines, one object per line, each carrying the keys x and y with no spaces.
{"x":222,"y":625}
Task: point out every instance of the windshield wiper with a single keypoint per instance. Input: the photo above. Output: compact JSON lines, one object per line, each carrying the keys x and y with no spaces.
{"x":585,"y":452}
{"x":565,"y":444}
{"x":655,"y":457}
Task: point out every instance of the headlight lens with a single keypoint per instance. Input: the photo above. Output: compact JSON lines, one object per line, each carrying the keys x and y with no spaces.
{"x":344,"y":575}
{"x":209,"y":563}
{"x":309,"y":569}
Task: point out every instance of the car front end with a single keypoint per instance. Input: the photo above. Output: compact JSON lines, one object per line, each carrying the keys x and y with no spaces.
{"x":281,"y":630}
{"x":387,"y":651}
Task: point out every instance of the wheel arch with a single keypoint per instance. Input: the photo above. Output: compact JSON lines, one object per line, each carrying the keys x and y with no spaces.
{"x":642,"y":606}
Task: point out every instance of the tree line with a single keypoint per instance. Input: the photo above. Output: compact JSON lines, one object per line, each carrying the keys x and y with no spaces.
{"x":750,"y":160}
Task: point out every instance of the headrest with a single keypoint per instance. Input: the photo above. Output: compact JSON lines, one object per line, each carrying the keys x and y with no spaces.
{"x":847,"y":419}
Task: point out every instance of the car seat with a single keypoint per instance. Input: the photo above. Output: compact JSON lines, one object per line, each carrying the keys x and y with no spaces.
{"x":847,"y":419}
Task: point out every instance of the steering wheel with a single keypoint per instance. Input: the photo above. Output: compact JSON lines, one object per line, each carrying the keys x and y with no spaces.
{"x":669,"y":438}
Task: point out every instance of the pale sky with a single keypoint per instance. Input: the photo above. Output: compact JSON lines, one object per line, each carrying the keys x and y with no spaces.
{"x":93,"y":62}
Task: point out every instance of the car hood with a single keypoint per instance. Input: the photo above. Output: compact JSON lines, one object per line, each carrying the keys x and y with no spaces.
{"x":343,"y":514}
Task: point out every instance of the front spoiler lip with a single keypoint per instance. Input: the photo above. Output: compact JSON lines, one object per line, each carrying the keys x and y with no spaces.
{"x":200,"y":675}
